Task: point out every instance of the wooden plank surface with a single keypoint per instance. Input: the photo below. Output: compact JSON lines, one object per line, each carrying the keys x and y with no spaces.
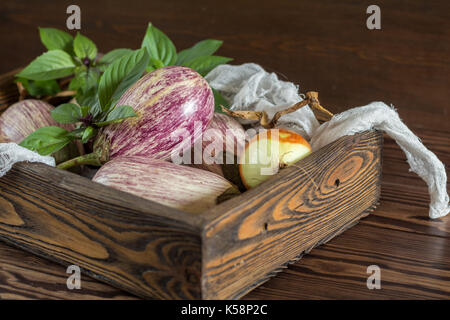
{"x":321,"y":46}
{"x":116,"y":237}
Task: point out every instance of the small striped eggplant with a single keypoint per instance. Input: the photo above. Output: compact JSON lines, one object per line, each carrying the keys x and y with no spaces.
{"x":166,"y":100}
{"x":23,"y":118}
{"x":232,"y":132}
{"x":224,"y":134}
{"x":181,"y":187}
{"x":26,"y":116}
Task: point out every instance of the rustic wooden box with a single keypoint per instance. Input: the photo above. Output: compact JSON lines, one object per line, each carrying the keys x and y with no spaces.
{"x":158,"y":252}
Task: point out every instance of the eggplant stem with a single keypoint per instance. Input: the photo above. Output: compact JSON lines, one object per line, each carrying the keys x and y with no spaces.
{"x":89,"y":159}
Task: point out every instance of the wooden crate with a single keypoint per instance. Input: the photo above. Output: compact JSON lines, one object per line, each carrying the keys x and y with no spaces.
{"x":158,"y":252}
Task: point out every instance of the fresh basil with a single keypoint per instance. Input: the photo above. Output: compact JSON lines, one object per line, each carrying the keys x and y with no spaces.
{"x":119,"y":76}
{"x":84,"y":111}
{"x":88,"y":99}
{"x":46,"y":140}
{"x":219,"y":101}
{"x":54,"y":39}
{"x":76,"y":133}
{"x":95,"y":108}
{"x":117,"y":114}
{"x":205,"y":64}
{"x":99,"y":83}
{"x":159,"y":46}
{"x":156,"y":63}
{"x":51,"y":65}
{"x":84,"y":47}
{"x":84,"y":80}
{"x":40,"y":88}
{"x":66,"y":113}
{"x":88,"y":134}
{"x":203,"y":48}
{"x":113,"y":55}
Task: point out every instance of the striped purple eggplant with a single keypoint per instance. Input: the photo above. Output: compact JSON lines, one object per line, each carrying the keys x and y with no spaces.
{"x":223,"y":133}
{"x":166,"y":100}
{"x":173,"y":185}
{"x":230,"y":130}
{"x":26,"y":116}
{"x":23,"y":118}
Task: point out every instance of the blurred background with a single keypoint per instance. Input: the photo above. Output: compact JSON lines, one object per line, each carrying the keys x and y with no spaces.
{"x":319,"y":45}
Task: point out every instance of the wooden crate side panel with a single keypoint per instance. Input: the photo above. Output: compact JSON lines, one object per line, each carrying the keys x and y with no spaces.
{"x":307,"y":204}
{"x":131,"y":243}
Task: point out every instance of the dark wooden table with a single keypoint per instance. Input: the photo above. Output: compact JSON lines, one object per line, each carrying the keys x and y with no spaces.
{"x":323,"y":46}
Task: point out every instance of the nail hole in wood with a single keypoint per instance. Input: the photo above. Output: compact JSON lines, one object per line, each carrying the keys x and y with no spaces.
{"x":265,"y":226}
{"x":337,"y":182}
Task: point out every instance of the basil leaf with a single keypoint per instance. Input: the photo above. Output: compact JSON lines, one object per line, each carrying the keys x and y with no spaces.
{"x":205,"y":64}
{"x":54,"y":39}
{"x":40,"y":88}
{"x":159,"y":46}
{"x":84,"y":47}
{"x":51,"y":65}
{"x":156,"y":63}
{"x":121,"y":112}
{"x":88,"y":134}
{"x":150,"y":68}
{"x":112,"y":56}
{"x":66,"y":113}
{"x":218,"y":101}
{"x":76,"y":133}
{"x":88,"y":98}
{"x":119,"y":76}
{"x":46,"y":140}
{"x":95,"y":108}
{"x":202,"y":48}
{"x":84,"y":111}
{"x":76,"y":83}
{"x":118,"y":114}
{"x":85,"y":80}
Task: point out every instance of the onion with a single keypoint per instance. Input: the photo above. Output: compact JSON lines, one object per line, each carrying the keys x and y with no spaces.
{"x":167,"y":99}
{"x":176,"y":186}
{"x":269,"y":151}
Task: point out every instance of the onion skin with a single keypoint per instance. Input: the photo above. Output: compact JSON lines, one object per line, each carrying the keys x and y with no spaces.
{"x":165,"y":100}
{"x":173,"y":185}
{"x":23,"y":118}
{"x":226,"y":129}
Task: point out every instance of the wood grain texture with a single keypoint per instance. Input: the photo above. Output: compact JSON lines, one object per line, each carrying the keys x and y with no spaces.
{"x":302,"y":207}
{"x":134,"y":244}
{"x":116,"y":246}
{"x":389,"y":238}
{"x":22,"y":277}
{"x":329,"y":50}
{"x":156,"y":252}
